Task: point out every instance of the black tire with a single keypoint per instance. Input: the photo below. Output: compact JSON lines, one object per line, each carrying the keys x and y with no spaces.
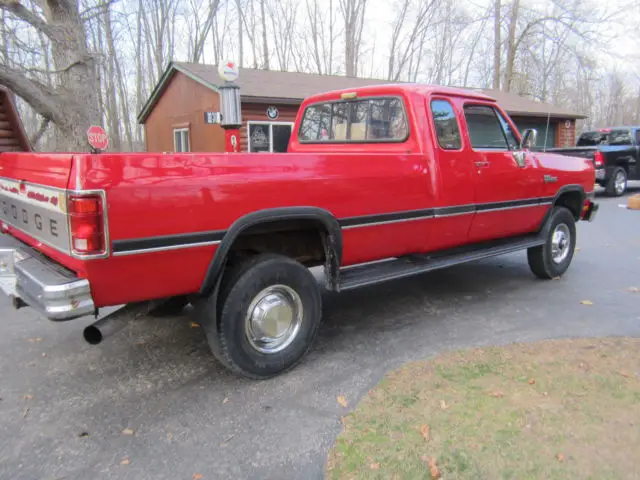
{"x":613,"y":187}
{"x":243,"y":284}
{"x":171,"y":307}
{"x":541,"y":259}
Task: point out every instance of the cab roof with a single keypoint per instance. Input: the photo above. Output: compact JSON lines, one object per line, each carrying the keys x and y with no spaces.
{"x":399,"y":89}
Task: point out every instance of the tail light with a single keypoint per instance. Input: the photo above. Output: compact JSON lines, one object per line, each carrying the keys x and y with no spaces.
{"x":86,"y":224}
{"x":598,"y":160}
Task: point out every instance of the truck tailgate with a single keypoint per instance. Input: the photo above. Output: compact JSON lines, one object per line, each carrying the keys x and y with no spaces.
{"x":32,"y":198}
{"x":582,"y":152}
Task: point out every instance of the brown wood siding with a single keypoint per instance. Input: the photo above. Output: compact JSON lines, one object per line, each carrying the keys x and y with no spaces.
{"x":257,"y":112}
{"x":12,"y":135}
{"x":183,"y":104}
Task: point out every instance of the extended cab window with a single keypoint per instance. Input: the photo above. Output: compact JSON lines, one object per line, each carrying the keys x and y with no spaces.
{"x":446,"y":125}
{"x":362,"y":120}
{"x":485,"y":130}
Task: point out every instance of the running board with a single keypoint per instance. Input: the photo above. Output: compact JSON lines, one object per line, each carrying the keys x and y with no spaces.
{"x":401,"y":267}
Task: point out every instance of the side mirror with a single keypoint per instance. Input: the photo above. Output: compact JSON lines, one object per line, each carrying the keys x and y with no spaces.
{"x":529,"y":139}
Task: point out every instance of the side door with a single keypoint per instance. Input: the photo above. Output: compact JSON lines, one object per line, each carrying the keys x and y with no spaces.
{"x":508,"y":185}
{"x":456,"y":175}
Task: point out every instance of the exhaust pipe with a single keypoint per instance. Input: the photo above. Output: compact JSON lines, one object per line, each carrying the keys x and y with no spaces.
{"x":116,"y":321}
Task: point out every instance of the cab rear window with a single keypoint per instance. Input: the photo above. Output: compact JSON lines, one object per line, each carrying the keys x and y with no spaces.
{"x":368,"y":120}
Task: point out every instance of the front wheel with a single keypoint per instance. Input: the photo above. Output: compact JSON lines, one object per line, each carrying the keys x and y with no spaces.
{"x":270,"y":311}
{"x":553,"y":258}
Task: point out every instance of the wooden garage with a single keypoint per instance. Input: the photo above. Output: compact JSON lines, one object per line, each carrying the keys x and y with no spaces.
{"x":175,"y":115}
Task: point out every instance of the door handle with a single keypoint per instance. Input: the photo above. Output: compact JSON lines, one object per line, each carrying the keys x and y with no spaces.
{"x":483,"y":163}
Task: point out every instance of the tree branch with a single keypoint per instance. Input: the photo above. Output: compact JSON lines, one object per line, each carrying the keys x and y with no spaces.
{"x":26,"y":15}
{"x":39,"y":96}
{"x":33,"y":141}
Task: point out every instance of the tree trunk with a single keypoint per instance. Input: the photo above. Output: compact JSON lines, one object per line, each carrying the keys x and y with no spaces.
{"x":511,"y":46}
{"x":265,"y":46}
{"x":497,"y":20}
{"x":77,"y":81}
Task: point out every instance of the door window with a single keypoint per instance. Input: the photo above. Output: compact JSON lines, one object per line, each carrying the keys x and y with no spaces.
{"x":485,"y":130}
{"x":269,"y":136}
{"x":446,"y":125}
{"x":506,"y":128}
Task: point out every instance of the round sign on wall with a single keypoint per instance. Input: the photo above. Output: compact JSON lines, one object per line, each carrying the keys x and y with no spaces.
{"x":272,"y":112}
{"x":97,"y":137}
{"x":228,"y":71}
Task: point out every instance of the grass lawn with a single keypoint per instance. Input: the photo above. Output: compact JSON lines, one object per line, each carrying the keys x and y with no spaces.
{"x":547,"y":410}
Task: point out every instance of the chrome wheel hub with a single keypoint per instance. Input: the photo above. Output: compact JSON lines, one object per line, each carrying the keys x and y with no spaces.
{"x":560,"y":243}
{"x":619,"y":182}
{"x":273,"y":319}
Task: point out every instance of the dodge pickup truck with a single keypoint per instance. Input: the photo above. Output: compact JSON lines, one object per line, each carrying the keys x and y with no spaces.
{"x":378,"y":183}
{"x":615,"y":153}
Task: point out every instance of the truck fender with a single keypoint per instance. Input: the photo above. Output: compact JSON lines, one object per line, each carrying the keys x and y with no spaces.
{"x":333,"y":245}
{"x":563,"y":190}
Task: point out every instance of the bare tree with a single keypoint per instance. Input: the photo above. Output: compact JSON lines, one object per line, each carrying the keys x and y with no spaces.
{"x":71,"y":104}
{"x":353,"y":13}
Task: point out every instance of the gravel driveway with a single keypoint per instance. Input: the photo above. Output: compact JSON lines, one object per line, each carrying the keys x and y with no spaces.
{"x":64,"y":404}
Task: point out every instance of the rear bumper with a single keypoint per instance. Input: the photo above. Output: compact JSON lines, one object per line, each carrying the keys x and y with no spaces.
{"x":42,"y":284}
{"x":600,"y":174}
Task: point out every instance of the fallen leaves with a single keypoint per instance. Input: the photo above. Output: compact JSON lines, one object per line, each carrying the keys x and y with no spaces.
{"x":125,"y":461}
{"x":443,"y":405}
{"x":560,"y":457}
{"x":197,"y":476}
{"x":342,"y":401}
{"x":586,"y":302}
{"x":497,"y":394}
{"x":128,"y":432}
{"x":195,"y":325}
{"x":374,"y":466}
{"x":532,"y":381}
{"x":424,"y":429}
{"x":433,"y":468}
{"x":28,"y":396}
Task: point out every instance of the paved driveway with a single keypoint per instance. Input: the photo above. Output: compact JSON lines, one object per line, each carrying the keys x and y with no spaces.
{"x":64,"y":404}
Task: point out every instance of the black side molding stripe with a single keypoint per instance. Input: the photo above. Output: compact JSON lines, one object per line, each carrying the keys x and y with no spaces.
{"x":370,"y":220}
{"x":166,"y":242}
{"x":187,"y":240}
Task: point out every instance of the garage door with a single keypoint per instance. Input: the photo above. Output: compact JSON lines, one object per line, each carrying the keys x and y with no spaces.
{"x":541,"y":126}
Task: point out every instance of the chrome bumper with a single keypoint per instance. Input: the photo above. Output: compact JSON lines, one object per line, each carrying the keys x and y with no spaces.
{"x":42,"y":284}
{"x":600,"y":174}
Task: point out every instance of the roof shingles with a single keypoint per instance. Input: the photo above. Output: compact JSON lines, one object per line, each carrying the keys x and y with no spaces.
{"x":293,"y":87}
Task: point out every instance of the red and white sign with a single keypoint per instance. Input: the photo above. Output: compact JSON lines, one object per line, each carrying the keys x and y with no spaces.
{"x":228,"y":71}
{"x":97,"y":137}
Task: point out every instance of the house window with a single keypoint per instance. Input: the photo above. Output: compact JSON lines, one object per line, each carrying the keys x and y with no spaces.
{"x":269,"y":136}
{"x":181,"y":140}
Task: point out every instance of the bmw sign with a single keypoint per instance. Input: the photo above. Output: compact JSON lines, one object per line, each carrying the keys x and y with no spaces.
{"x":272,"y":112}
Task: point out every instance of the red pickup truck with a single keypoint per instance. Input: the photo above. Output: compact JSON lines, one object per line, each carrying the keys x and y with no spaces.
{"x":378,"y":183}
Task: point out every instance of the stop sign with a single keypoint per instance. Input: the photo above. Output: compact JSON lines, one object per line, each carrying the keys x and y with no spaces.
{"x":97,"y":137}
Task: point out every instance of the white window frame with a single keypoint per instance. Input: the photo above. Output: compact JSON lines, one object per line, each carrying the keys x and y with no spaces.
{"x":181,"y":131}
{"x":271,"y":124}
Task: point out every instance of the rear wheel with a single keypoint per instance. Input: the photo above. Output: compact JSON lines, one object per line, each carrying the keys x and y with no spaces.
{"x":269,"y":314}
{"x":617,"y":184}
{"x":554,"y":257}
